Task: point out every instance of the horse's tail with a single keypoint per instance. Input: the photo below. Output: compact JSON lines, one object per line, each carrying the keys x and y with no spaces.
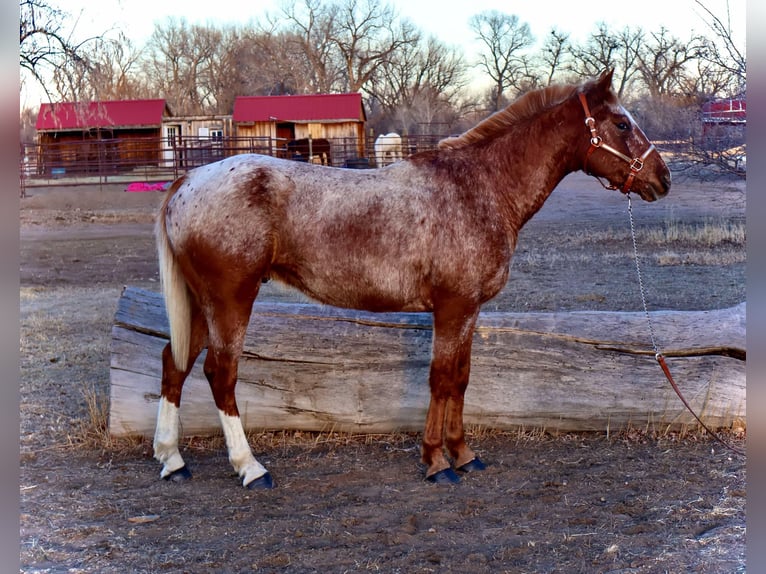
{"x":174,"y":288}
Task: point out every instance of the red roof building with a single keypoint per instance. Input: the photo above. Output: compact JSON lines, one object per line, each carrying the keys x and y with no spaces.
{"x":729,"y":111}
{"x":100,"y":137}
{"x":322,"y":108}
{"x":86,"y":116}
{"x":276,"y":120}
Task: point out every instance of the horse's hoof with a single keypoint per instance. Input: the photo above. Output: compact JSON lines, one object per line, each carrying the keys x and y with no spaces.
{"x":179,"y":475}
{"x":472,"y":465}
{"x":261,"y":483}
{"x":446,"y":476}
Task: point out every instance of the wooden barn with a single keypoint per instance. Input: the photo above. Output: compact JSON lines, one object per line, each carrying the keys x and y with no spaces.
{"x":128,"y":133}
{"x":278,"y":120}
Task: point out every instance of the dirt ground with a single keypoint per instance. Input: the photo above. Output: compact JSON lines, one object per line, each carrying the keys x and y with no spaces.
{"x":638,"y":501}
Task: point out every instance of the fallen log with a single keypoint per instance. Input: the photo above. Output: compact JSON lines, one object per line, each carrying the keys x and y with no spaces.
{"x":311,"y":367}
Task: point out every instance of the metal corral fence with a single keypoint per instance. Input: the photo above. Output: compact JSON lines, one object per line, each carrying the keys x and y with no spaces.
{"x":99,"y":161}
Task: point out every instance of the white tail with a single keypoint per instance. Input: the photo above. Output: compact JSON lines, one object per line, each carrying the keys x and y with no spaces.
{"x":175,"y":292}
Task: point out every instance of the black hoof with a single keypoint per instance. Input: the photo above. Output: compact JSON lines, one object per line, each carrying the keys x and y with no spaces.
{"x":472,"y":465}
{"x":261,"y":483}
{"x":179,"y":475}
{"x":446,"y":476}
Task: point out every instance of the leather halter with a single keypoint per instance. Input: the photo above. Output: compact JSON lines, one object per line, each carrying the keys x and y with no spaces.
{"x":636,"y":164}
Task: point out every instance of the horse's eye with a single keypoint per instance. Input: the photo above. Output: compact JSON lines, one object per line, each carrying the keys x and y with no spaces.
{"x":623,"y":126}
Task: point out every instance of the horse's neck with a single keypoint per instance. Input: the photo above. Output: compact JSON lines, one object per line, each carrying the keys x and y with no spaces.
{"x":529,"y":163}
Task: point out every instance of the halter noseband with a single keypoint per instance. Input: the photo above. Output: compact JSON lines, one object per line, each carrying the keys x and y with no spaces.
{"x":636,"y":164}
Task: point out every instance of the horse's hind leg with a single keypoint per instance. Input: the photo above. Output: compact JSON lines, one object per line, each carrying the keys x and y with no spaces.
{"x":227,"y":334}
{"x":166,"y":431}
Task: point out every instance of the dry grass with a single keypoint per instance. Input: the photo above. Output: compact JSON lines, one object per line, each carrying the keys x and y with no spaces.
{"x":710,"y":233}
{"x":56,"y":218}
{"x":669,"y":257}
{"x":64,"y":355}
{"x":93,"y":431}
{"x":286,"y":442}
{"x":711,"y":242}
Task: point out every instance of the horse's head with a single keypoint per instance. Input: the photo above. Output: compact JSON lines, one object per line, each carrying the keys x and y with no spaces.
{"x":618,"y":150}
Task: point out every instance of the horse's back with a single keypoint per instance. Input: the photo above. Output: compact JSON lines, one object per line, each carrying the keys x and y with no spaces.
{"x":370,"y":239}
{"x":252,"y":193}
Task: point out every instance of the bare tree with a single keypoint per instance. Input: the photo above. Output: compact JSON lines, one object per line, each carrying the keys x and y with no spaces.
{"x":106,"y":69}
{"x":554,"y":55}
{"x":263,"y":61}
{"x":311,"y":28}
{"x":629,"y":44}
{"x":710,"y":79}
{"x":596,"y":54}
{"x":504,"y":39}
{"x":179,"y":64}
{"x":419,"y":87}
{"x":341,"y":44}
{"x":250,"y":62}
{"x":663,"y":60}
{"x":44,"y":41}
{"x":605,"y":49}
{"x":722,"y":52}
{"x":368,"y":33}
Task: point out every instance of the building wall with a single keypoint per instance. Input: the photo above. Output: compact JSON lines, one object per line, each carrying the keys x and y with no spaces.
{"x":349,"y":135}
{"x":97,"y":151}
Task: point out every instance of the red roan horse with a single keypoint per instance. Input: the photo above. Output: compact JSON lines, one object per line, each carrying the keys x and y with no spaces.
{"x":433,"y":232}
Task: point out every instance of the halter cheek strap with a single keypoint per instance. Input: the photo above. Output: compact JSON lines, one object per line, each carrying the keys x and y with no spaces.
{"x":636,"y":164}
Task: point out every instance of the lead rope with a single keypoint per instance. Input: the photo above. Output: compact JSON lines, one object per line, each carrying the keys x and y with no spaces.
{"x":657,"y":354}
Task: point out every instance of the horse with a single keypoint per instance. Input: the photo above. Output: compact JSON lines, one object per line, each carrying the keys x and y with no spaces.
{"x":388,"y":149}
{"x":433,"y":232}
{"x":306,"y":149}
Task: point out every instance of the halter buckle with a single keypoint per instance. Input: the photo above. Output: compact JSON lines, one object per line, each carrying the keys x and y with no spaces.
{"x":637,"y":164}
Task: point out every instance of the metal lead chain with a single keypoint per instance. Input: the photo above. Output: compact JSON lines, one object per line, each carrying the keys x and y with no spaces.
{"x":657,"y":354}
{"x":640,"y":279}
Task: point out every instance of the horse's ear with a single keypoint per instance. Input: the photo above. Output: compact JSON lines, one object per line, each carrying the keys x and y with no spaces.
{"x":600,"y":86}
{"x":605,"y":79}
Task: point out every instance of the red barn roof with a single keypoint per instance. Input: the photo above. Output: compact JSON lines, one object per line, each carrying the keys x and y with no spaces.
{"x":725,"y":111}
{"x":87,"y":115}
{"x":311,"y":108}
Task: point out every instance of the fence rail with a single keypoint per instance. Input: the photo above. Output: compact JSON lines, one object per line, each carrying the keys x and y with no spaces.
{"x":156,"y":159}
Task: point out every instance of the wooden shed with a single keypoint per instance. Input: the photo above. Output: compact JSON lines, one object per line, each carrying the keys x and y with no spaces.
{"x":128,"y":133}
{"x":339,"y":118}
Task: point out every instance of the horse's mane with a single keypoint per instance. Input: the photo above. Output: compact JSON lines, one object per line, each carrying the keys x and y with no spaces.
{"x":525,"y":106}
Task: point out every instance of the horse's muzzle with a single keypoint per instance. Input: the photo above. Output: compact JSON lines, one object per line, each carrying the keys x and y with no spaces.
{"x":665,"y":182}
{"x":656,"y":190}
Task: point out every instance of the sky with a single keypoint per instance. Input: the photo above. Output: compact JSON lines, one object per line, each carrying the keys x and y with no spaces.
{"x":445,"y":19}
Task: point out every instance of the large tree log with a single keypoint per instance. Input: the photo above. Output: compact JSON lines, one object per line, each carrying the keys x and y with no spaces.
{"x":311,"y":367}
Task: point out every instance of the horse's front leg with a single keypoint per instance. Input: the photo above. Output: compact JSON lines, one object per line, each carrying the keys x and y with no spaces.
{"x":465,"y":459}
{"x":450,"y":369}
